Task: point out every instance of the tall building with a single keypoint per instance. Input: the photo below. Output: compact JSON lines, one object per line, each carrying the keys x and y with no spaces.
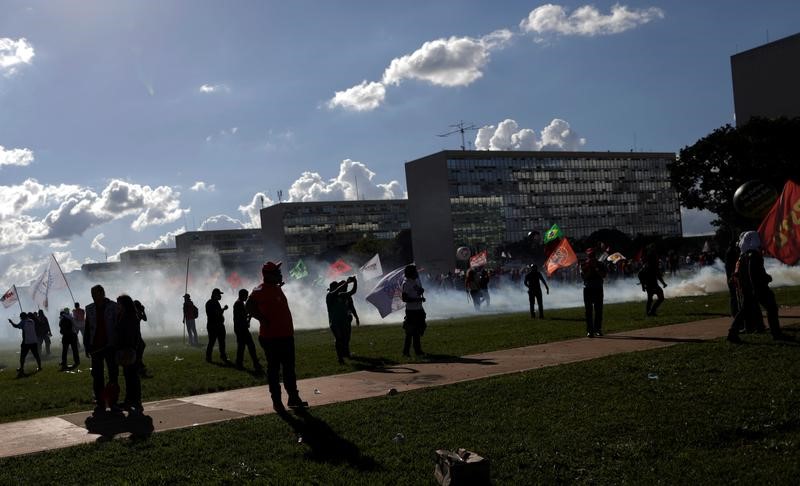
{"x":240,"y":249}
{"x":487,"y":199}
{"x":766,"y":80}
{"x":303,"y":229}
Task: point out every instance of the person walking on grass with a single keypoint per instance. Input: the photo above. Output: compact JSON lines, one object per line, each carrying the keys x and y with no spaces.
{"x":30,"y":342}
{"x":99,"y":341}
{"x":79,"y":320}
{"x":649,"y":277}
{"x":216,"y":326}
{"x":753,"y":281}
{"x":69,"y":339}
{"x":241,"y":328}
{"x":141,"y":345}
{"x":593,"y":273}
{"x":267,"y":303}
{"x":414,"y":323}
{"x":338,"y":302}
{"x":190,"y":313}
{"x":532,"y":280}
{"x":128,"y":339}
{"x":43,"y":332}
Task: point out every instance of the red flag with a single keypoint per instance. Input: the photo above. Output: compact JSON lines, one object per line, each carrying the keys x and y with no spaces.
{"x":337,"y":268}
{"x":235,"y":281}
{"x":478,"y":260}
{"x":780,"y":230}
{"x":562,"y":257}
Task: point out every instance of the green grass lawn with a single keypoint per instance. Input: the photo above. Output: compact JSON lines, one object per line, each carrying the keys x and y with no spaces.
{"x":178,"y":370}
{"x":716,"y":414}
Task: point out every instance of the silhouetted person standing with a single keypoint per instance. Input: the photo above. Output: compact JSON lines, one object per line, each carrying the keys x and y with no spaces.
{"x":141,"y":345}
{"x":30,"y":342}
{"x":43,"y":332}
{"x":79,"y":319}
{"x":649,"y":277}
{"x":473,"y":287}
{"x":216,"y":326}
{"x":593,"y":273}
{"x":128,"y":339}
{"x":99,"y":341}
{"x":414,"y":323}
{"x":190,"y":313}
{"x":68,"y":339}
{"x":532,"y":280}
{"x":338,"y":301}
{"x":241,"y":328}
{"x":268,"y":304}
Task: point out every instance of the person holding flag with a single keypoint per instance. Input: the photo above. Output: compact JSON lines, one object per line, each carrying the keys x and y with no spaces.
{"x":593,"y":273}
{"x":339,"y":318}
{"x":414,"y":323}
{"x":29,"y":342}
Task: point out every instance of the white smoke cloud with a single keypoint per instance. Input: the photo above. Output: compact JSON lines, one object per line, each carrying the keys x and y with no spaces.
{"x":14,"y":53}
{"x":558,"y":135}
{"x":166,"y":240}
{"x":221,"y":222}
{"x":253,"y":210}
{"x":201,"y":186}
{"x":587,"y":20}
{"x":362,"y":97}
{"x":353,"y":176}
{"x":96,"y":245}
{"x":456,"y":61}
{"x":20,"y":157}
{"x":214,"y":88}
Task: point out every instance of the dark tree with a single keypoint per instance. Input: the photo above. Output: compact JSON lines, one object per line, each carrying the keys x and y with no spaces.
{"x":707,"y":174}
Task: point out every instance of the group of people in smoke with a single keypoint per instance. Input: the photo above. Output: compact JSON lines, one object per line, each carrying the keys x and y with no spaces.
{"x":36,"y":334}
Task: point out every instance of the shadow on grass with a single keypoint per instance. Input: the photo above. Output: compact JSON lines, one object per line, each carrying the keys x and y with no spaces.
{"x":324,"y":444}
{"x":446,"y":358}
{"x":656,"y":338}
{"x":109,"y":425}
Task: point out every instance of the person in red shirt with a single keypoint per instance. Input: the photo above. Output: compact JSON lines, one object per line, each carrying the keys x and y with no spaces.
{"x":268,"y":304}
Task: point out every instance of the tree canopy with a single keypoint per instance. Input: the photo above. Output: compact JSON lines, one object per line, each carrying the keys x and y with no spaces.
{"x":707,"y":173}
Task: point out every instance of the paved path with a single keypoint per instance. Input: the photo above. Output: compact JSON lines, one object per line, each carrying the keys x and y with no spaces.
{"x":67,"y":430}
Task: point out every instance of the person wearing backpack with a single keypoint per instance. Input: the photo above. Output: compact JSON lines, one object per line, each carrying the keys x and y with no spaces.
{"x":190,"y":314}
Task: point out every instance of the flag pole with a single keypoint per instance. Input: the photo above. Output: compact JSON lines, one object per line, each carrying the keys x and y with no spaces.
{"x":63,"y":276}
{"x":17,"y":294}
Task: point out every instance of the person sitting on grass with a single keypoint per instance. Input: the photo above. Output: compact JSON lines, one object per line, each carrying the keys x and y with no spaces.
{"x":30,"y":343}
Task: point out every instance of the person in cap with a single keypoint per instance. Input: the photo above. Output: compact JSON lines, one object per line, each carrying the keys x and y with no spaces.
{"x":69,"y":339}
{"x":190,"y":313}
{"x":593,"y":273}
{"x":753,"y":281}
{"x":339,"y":317}
{"x":216,"y":326}
{"x":241,"y":328}
{"x":268,"y":304}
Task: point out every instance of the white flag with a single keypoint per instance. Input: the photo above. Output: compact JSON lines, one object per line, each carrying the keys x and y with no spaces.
{"x":50,"y":279}
{"x":387,"y":296}
{"x":10,"y":297}
{"x":372,"y":269}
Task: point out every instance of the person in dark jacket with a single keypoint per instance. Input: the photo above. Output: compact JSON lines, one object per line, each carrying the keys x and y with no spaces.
{"x":216,"y":325}
{"x":241,"y":328}
{"x":190,"y":313}
{"x":99,"y":342}
{"x":731,"y":257}
{"x":128,"y":338}
{"x":69,"y":339}
{"x":29,"y":341}
{"x":593,"y":273}
{"x":43,"y":332}
{"x":649,"y":277}
{"x":339,"y":319}
{"x":753,"y":281}
{"x":414,"y":323}
{"x":142,"y":315}
{"x":532,"y":279}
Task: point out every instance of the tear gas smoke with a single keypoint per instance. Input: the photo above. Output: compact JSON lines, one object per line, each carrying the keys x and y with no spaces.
{"x":161,"y":291}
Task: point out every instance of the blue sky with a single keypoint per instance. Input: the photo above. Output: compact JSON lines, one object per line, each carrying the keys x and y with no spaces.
{"x":124,"y":122}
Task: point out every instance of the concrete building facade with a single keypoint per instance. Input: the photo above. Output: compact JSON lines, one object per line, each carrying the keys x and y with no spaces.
{"x":303,"y":229}
{"x":240,"y":249}
{"x":486,"y":199}
{"x":766,"y":80}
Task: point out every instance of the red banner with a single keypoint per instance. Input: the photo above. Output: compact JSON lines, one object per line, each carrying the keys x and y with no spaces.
{"x":478,"y":260}
{"x":780,"y":230}
{"x":562,"y":257}
{"x":337,"y":268}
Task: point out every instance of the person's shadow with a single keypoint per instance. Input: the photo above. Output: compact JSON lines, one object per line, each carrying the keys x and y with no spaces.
{"x":108,"y":425}
{"x":325,"y":445}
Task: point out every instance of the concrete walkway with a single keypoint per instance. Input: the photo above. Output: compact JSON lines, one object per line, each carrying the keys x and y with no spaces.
{"x":68,"y":430}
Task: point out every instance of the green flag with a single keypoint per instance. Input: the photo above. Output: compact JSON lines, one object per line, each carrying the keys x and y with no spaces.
{"x":553,"y":233}
{"x":299,"y":271}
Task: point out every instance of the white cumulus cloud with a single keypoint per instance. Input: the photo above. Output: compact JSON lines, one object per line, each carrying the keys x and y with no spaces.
{"x":252,"y":211}
{"x":355,"y":181}
{"x":214,"y":88}
{"x":221,"y":222}
{"x":166,"y":240}
{"x":20,"y":157}
{"x":201,"y":186}
{"x":587,"y":20}
{"x":14,"y":53}
{"x":361,"y":97}
{"x":507,"y":135}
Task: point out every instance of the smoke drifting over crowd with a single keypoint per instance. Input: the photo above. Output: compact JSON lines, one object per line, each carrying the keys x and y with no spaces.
{"x":162,"y":292}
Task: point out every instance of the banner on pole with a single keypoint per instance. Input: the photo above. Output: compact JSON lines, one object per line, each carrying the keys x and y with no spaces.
{"x":479,"y":259}
{"x":9,"y":298}
{"x":372,"y":269}
{"x":387,"y":295}
{"x":51,"y":279}
{"x":562,"y":257}
{"x":780,"y":230}
{"x":337,"y":268}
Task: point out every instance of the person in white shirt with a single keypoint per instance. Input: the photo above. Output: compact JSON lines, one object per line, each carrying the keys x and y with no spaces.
{"x":30,"y":343}
{"x":414,"y":323}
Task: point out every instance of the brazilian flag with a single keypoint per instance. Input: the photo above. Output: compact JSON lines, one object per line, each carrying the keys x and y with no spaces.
{"x":299,"y":271}
{"x":552,"y":234}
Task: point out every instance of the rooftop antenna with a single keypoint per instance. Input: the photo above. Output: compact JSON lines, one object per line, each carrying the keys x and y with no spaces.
{"x":280,"y":195}
{"x":460,"y":127}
